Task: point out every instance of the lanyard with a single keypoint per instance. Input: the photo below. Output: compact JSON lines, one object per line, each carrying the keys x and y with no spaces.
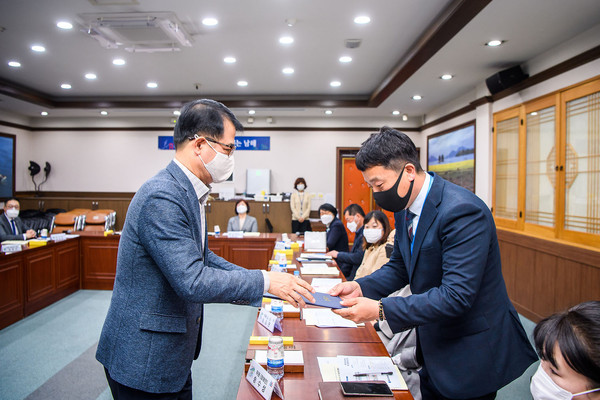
{"x":412,"y":243}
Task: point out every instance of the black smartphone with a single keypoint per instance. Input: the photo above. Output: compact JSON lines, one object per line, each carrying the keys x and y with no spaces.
{"x":373,"y":388}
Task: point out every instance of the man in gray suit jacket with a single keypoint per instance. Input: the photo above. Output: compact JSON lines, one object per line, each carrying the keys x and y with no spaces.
{"x":165,"y":272}
{"x":11,"y":226}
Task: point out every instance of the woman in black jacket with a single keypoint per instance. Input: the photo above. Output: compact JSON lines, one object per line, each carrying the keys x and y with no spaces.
{"x":337,"y":238}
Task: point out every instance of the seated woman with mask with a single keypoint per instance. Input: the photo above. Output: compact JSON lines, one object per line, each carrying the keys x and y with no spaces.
{"x":376,"y":234}
{"x":242,"y":221}
{"x":337,"y":238}
{"x":569,"y":345}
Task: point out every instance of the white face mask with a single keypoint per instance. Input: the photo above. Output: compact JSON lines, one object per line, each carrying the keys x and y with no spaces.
{"x":326,"y":218}
{"x":544,"y":388}
{"x":300,"y":187}
{"x":220,"y":168}
{"x":352,"y":226}
{"x":241,"y":209}
{"x":12,"y":213}
{"x":372,"y":235}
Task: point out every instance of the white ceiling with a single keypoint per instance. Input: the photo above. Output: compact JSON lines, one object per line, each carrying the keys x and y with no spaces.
{"x":249,"y":31}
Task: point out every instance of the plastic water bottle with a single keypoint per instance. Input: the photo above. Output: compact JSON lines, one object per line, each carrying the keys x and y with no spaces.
{"x":217,"y":230}
{"x":277,"y":310}
{"x":275,"y":356}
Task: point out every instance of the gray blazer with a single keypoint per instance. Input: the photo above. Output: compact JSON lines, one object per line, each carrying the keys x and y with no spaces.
{"x":250,"y":224}
{"x":6,"y":232}
{"x":152,"y":332}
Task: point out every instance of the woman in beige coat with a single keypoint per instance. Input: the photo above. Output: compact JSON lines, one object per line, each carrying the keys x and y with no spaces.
{"x":300,"y":205}
{"x":376,"y":234}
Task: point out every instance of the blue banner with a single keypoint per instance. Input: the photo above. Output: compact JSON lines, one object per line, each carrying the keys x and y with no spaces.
{"x":241,"y":143}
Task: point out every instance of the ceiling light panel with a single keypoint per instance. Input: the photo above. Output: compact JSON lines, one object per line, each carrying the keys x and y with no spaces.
{"x":64,"y":25}
{"x":14,"y":64}
{"x":286,"y":40}
{"x":362,"y":19}
{"x":38,"y":48}
{"x":229,"y":60}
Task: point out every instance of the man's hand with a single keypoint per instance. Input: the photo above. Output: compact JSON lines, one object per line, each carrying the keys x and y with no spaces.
{"x":288,"y":287}
{"x":360,"y":309}
{"x":346,"y":290}
{"x":30,"y":234}
{"x":332,"y":253}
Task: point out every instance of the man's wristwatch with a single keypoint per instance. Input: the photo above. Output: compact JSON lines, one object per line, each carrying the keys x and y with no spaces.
{"x":381,"y":314}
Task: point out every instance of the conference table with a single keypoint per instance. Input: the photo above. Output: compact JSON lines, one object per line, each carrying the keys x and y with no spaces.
{"x":318,"y":342}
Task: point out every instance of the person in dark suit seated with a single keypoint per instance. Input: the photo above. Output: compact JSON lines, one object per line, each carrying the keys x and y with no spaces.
{"x":165,"y":271}
{"x":11,"y":226}
{"x":242,"y":221}
{"x":470,"y":341}
{"x":350,"y":261}
{"x":569,"y":345}
{"x":337,"y":238}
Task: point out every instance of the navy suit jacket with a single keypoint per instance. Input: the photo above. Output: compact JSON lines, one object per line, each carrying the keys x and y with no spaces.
{"x":350,"y":261}
{"x":337,"y":238}
{"x":6,"y":232}
{"x":164,"y":276}
{"x":469,"y":332}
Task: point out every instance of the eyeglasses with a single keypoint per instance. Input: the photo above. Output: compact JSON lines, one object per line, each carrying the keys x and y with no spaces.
{"x":229,"y":148}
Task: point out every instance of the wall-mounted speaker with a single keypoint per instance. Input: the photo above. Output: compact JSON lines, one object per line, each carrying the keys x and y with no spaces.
{"x":505,"y":79}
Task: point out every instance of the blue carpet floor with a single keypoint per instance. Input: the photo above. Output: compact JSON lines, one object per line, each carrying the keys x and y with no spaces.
{"x":50,"y":354}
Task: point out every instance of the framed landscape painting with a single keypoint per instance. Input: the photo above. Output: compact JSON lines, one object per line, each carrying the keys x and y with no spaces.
{"x":451,"y":155}
{"x":7,"y":166}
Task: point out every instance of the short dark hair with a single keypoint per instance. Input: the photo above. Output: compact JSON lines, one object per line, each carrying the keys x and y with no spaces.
{"x":299,"y":180}
{"x":384,"y":221}
{"x":388,"y":148}
{"x":577,"y":333}
{"x":246,"y":203}
{"x":328,"y":207}
{"x":203,"y":116}
{"x":354,"y":209}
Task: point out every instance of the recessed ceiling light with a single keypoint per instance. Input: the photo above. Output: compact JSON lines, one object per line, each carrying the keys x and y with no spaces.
{"x":210,"y":21}
{"x":362,"y":19}
{"x":176,"y":112}
{"x":152,"y":85}
{"x":404,"y":117}
{"x":395,"y":112}
{"x":65,"y":86}
{"x":118,"y":61}
{"x":345,"y":59}
{"x":417,"y":97}
{"x":335,"y":83}
{"x":229,"y":60}
{"x":328,"y":112}
{"x":242,"y":83}
{"x":446,"y":77}
{"x":103,"y":112}
{"x":90,"y":76}
{"x":286,"y":40}
{"x":288,"y":70}
{"x":251,"y":112}
{"x":65,"y":25}
{"x":533,"y":113}
{"x":38,"y":48}
{"x":494,"y":43}
{"x":14,"y":64}
{"x":44,"y":113}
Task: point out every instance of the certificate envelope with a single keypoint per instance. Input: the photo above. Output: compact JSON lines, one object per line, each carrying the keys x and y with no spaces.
{"x":321,"y":300}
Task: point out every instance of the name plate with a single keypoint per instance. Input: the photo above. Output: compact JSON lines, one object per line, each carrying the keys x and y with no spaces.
{"x":264,"y":383}
{"x":12,"y":248}
{"x":58,"y":237}
{"x":269,"y":320}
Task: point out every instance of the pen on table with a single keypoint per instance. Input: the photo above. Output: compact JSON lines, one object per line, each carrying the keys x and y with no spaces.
{"x":374,"y":373}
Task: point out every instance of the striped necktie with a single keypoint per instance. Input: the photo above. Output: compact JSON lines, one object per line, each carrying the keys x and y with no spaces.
{"x":410,"y":217}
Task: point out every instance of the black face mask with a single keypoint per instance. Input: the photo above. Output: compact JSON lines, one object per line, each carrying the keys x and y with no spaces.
{"x":389,"y":199}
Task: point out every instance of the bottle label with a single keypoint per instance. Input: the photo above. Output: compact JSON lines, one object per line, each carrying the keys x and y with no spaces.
{"x":275,"y":363}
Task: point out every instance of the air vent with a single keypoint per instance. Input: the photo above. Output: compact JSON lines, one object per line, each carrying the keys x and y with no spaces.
{"x":353,"y":43}
{"x":150,"y":32}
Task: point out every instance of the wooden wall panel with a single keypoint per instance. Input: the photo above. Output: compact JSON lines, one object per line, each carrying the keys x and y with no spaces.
{"x":40,"y":274}
{"x":568,"y":292}
{"x":67,"y":265}
{"x":99,"y":262}
{"x":524,"y":278}
{"x":11,"y":290}
{"x":250,"y":257}
{"x":509,"y":266}
{"x":544,"y":281}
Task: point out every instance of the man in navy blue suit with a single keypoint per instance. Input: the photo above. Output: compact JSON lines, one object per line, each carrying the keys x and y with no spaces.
{"x":469,"y":337}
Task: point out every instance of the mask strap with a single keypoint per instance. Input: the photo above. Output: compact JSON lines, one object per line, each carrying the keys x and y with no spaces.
{"x":586,"y":392}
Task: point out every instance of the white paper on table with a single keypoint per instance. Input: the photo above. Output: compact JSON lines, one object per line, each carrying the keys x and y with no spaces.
{"x":329,"y":369}
{"x":325,"y":318}
{"x":372,"y":368}
{"x":321,"y":256}
{"x":325,"y":284}
{"x":312,"y":270}
{"x":289,"y":357}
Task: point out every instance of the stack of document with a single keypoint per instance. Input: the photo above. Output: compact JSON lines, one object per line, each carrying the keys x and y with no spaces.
{"x":318,"y":269}
{"x":325,"y":318}
{"x":356,"y":368}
